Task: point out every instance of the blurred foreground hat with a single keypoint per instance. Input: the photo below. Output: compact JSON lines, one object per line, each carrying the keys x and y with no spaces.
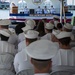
{"x":5,"y":22}
{"x":31,"y":34}
{"x":68,"y":26}
{"x":5,"y":32}
{"x":49,"y":26}
{"x":42,"y":49}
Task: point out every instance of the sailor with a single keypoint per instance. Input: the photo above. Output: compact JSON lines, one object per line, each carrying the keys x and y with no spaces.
{"x":26,"y":10}
{"x":22,"y":61}
{"x":45,"y":10}
{"x":59,"y":26}
{"x":5,"y":46}
{"x":38,"y":10}
{"x":41,"y":52}
{"x":30,"y":24}
{"x":7,"y":50}
{"x":66,"y":54}
{"x":56,"y":20}
{"x":4,"y":24}
{"x":48,"y":30}
{"x":52,"y":10}
{"x":68,"y":28}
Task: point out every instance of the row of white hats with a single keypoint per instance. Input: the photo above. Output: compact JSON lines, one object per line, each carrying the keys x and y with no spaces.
{"x":31,"y":23}
{"x":28,"y":34}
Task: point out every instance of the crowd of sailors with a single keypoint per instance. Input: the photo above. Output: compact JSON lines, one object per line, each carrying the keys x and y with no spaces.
{"x":35,"y":47}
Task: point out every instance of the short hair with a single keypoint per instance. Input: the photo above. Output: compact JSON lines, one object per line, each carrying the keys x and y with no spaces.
{"x":6,"y":27}
{"x":40,"y":64}
{"x":31,"y":40}
{"x":65,"y":41}
{"x":59,"y":26}
{"x":49,"y":30}
{"x":18,"y":29}
{"x":4,"y":38}
{"x":68,"y":30}
{"x":40,"y":28}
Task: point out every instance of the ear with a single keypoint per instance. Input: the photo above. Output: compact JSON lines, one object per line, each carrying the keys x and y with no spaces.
{"x":31,"y":60}
{"x":50,"y":63}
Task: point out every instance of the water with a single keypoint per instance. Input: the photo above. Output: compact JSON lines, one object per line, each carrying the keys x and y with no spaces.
{"x":4,"y":14}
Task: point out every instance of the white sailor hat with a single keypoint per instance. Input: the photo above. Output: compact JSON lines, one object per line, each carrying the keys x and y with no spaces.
{"x":27,"y":27}
{"x":5,"y":22}
{"x":64,"y":34}
{"x":30,"y":24}
{"x":55,"y":16}
{"x":5,"y":32}
{"x":31,"y":34}
{"x":68,"y":26}
{"x":49,"y":26}
{"x":42,"y":49}
{"x":55,"y":32}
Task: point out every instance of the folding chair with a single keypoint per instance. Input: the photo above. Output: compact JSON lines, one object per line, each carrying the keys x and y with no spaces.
{"x":26,"y":72}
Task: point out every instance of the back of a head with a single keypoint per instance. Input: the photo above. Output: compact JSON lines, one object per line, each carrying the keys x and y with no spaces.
{"x":18,"y":29}
{"x":31,"y":36}
{"x":59,"y":26}
{"x":64,"y":37}
{"x":5,"y":34}
{"x":41,"y":53}
{"x":67,"y":27}
{"x":40,"y":28}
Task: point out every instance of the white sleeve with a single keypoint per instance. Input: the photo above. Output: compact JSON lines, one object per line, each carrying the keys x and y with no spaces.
{"x":16,"y":64}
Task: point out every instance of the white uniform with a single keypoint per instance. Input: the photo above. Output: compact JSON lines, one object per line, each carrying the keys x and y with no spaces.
{"x":26,"y":11}
{"x":22,"y":62}
{"x":7,"y":47}
{"x":6,"y":72}
{"x":52,"y":10}
{"x":39,"y":11}
{"x":42,"y":74}
{"x":47,"y":36}
{"x":64,"y":57}
{"x":45,"y":11}
{"x":13,"y":39}
{"x":21,"y":37}
{"x":6,"y":61}
{"x":21,"y":46}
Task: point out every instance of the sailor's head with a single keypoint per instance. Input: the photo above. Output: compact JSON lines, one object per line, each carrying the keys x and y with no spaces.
{"x":45,"y":6}
{"x":49,"y":27}
{"x":30,"y":24}
{"x":38,"y":6}
{"x":41,"y":53}
{"x":64,"y":38}
{"x":31,"y":36}
{"x":25,"y":6}
{"x":4,"y":34}
{"x":4,"y":23}
{"x":67,"y":27}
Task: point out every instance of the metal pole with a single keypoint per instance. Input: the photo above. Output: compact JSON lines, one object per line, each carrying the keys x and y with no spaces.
{"x":61,"y":10}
